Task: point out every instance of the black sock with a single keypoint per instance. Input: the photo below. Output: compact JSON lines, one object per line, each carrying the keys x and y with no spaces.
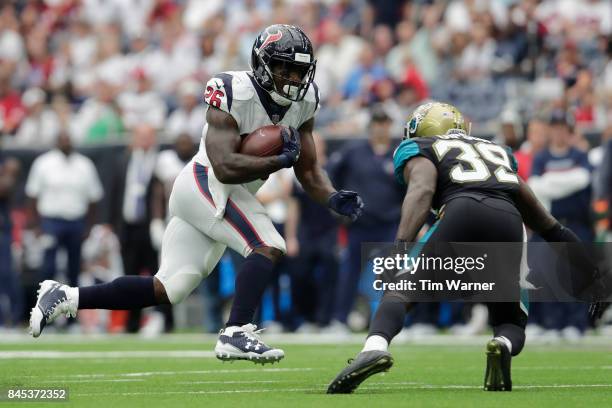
{"x":125,"y":293}
{"x":389,"y":318}
{"x":251,"y":281}
{"x":514,"y":333}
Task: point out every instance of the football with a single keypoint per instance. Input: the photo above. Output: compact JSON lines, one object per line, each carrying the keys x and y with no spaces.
{"x":265,"y":141}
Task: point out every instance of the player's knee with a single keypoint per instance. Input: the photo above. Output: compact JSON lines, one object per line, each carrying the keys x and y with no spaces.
{"x":273,"y":254}
{"x":181,"y":283}
{"x":160,"y":292}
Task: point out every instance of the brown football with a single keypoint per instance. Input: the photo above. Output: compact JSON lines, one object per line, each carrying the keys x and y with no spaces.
{"x":265,"y":141}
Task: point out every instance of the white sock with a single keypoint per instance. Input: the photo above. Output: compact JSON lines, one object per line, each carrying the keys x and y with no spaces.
{"x":375,"y":343}
{"x":506,"y":341}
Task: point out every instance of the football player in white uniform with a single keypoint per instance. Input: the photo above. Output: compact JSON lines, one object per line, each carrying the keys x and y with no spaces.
{"x":213,"y":205}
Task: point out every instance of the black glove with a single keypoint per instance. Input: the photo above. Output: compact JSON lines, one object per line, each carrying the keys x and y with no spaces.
{"x":598,"y":307}
{"x":596,"y":310}
{"x":559,"y":233}
{"x":291,"y":146}
{"x":594,"y":282}
{"x":347,"y":203}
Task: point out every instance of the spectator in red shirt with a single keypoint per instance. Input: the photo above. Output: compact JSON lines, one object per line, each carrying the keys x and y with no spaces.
{"x":40,"y":60}
{"x":413,"y":79}
{"x":12,"y":111}
{"x":537,"y":140}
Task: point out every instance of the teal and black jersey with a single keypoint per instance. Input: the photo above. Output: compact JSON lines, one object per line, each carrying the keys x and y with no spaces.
{"x":467,"y":166}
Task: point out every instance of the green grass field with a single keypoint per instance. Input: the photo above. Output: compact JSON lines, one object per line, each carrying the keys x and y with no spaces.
{"x":181,"y":371}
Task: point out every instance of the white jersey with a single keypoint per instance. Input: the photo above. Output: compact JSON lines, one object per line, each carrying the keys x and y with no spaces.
{"x":237,"y":93}
{"x":206,"y":215}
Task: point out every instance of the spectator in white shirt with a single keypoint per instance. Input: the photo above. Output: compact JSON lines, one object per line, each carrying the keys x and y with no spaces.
{"x":63,"y":188}
{"x":99,"y":12}
{"x":336,"y":57}
{"x":169,"y":164}
{"x":477,"y":57}
{"x":12,"y":47}
{"x":175,"y":59}
{"x":142,"y":105}
{"x":189,"y":117}
{"x":82,"y":46}
{"x":134,"y":15}
{"x":41,"y":126}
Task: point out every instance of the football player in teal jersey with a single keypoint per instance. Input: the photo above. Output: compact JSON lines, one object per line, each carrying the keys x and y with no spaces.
{"x":460,"y":177}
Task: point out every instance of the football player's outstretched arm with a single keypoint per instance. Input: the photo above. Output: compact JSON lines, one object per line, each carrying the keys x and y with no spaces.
{"x":541,"y":221}
{"x":420,"y":175}
{"x":315,"y":182}
{"x":535,"y":216}
{"x":222,"y":143}
{"x":312,"y":177}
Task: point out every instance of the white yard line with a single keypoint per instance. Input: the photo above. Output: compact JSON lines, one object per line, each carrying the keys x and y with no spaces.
{"x":235,"y":382}
{"x":52,"y":354}
{"x":321,"y":389}
{"x":249,"y":391}
{"x":554,"y":368}
{"x":186,"y":372}
{"x":92,"y":380}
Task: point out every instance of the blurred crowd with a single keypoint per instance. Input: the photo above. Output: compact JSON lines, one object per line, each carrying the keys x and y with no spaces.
{"x":87,"y":75}
{"x":99,"y":67}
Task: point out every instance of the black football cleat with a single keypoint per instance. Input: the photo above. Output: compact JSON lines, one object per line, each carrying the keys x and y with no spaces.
{"x":497,"y":374}
{"x":366,"y":364}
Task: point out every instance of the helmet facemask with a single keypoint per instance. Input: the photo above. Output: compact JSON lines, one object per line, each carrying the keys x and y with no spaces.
{"x":282,"y":71}
{"x":282,"y":85}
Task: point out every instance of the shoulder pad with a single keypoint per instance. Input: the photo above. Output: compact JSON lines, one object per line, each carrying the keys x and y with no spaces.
{"x":311,"y":102}
{"x":312,"y":95}
{"x":408,"y":149}
{"x":225,"y":88}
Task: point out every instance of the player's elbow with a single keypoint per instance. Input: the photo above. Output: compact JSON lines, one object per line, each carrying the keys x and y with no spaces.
{"x":223,"y":176}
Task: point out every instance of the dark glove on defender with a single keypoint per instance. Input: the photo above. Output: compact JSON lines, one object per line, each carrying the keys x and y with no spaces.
{"x":579,"y":256}
{"x":291,"y":146}
{"x":347,"y":203}
{"x":596,"y":310}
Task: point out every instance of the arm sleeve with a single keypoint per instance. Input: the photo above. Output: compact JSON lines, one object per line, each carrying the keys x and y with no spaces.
{"x":404,"y":152}
{"x":565,"y":183}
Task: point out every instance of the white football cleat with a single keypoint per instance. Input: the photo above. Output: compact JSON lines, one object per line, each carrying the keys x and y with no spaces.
{"x":54,"y":299}
{"x":244,"y":343}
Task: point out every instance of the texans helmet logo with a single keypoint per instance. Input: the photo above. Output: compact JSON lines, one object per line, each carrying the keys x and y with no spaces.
{"x":270,"y":39}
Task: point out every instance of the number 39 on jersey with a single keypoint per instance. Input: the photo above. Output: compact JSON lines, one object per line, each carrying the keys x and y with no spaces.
{"x":473,"y":158}
{"x":465,"y":164}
